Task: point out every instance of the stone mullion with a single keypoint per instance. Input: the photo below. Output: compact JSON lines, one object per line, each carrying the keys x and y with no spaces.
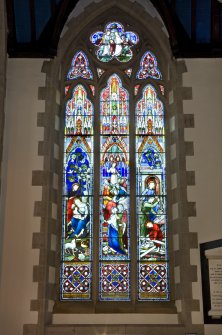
{"x":46,"y":209}
{"x":182,"y":208}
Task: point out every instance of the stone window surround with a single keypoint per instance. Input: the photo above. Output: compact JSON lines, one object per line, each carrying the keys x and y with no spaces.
{"x":179,"y":209}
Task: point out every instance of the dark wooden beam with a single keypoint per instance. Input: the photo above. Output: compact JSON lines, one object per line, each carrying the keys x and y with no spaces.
{"x":181,"y":44}
{"x":220,"y":17}
{"x":52,"y":31}
{"x":66,"y":8}
{"x":53,"y":6}
{"x":11,"y":24}
{"x":173,"y":4}
{"x":32,"y":19}
{"x":30,"y":50}
{"x":177,"y":35}
{"x":215,"y":21}
{"x":193,"y":20}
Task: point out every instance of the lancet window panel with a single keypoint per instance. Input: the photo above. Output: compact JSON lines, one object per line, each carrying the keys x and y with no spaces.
{"x":153,"y":269}
{"x":114,"y":188}
{"x":77,"y":225}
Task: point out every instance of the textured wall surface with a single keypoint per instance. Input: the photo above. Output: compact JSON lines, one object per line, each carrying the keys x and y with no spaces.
{"x":19,"y":159}
{"x":30,"y":160}
{"x":20,"y":156}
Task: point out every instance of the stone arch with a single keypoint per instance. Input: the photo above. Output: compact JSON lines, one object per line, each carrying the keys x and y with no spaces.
{"x":179,"y":209}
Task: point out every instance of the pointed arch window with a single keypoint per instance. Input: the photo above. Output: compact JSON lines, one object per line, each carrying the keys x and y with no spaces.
{"x":126,"y":115}
{"x":77,"y":197}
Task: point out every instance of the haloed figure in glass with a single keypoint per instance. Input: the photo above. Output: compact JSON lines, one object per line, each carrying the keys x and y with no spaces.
{"x":115,"y":210}
{"x":77,"y":205}
{"x":114,"y":43}
{"x":78,"y":184}
{"x":114,"y":183}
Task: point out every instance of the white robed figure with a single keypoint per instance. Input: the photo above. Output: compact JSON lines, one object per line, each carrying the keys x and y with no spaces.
{"x":114,"y":174}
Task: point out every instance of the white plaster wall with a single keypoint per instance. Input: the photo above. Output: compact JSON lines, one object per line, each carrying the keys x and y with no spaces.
{"x":19,"y":159}
{"x":204,"y":75}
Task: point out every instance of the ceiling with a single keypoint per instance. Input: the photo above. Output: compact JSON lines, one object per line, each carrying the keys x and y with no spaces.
{"x":194,"y":26}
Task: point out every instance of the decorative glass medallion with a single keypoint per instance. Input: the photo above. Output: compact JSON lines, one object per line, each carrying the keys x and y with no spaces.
{"x":153,"y":281}
{"x":76,"y":281}
{"x":114,"y":42}
{"x":80,"y":67}
{"x":115,"y":281}
{"x":148,"y":67}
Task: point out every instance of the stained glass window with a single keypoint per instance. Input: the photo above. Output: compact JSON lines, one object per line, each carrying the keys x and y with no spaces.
{"x":114,"y":192}
{"x":80,"y":67}
{"x":77,"y":198}
{"x":148,"y":67}
{"x":151,"y":197}
{"x":114,"y":42}
{"x":118,"y":130}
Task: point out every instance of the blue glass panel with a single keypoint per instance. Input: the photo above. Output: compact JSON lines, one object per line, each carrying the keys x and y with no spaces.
{"x":22,"y":21}
{"x":183,"y":8}
{"x":221,"y":23}
{"x":151,"y":198}
{"x":76,"y":280}
{"x":153,"y":281}
{"x":42,"y":15}
{"x":115,"y":282}
{"x":203,"y":21}
{"x":77,"y":198}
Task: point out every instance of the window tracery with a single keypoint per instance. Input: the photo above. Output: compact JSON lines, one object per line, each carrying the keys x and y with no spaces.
{"x":114,"y":207}
{"x":80,"y":67}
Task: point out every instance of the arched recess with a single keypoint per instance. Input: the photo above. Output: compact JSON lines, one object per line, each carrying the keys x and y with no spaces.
{"x":49,"y":209}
